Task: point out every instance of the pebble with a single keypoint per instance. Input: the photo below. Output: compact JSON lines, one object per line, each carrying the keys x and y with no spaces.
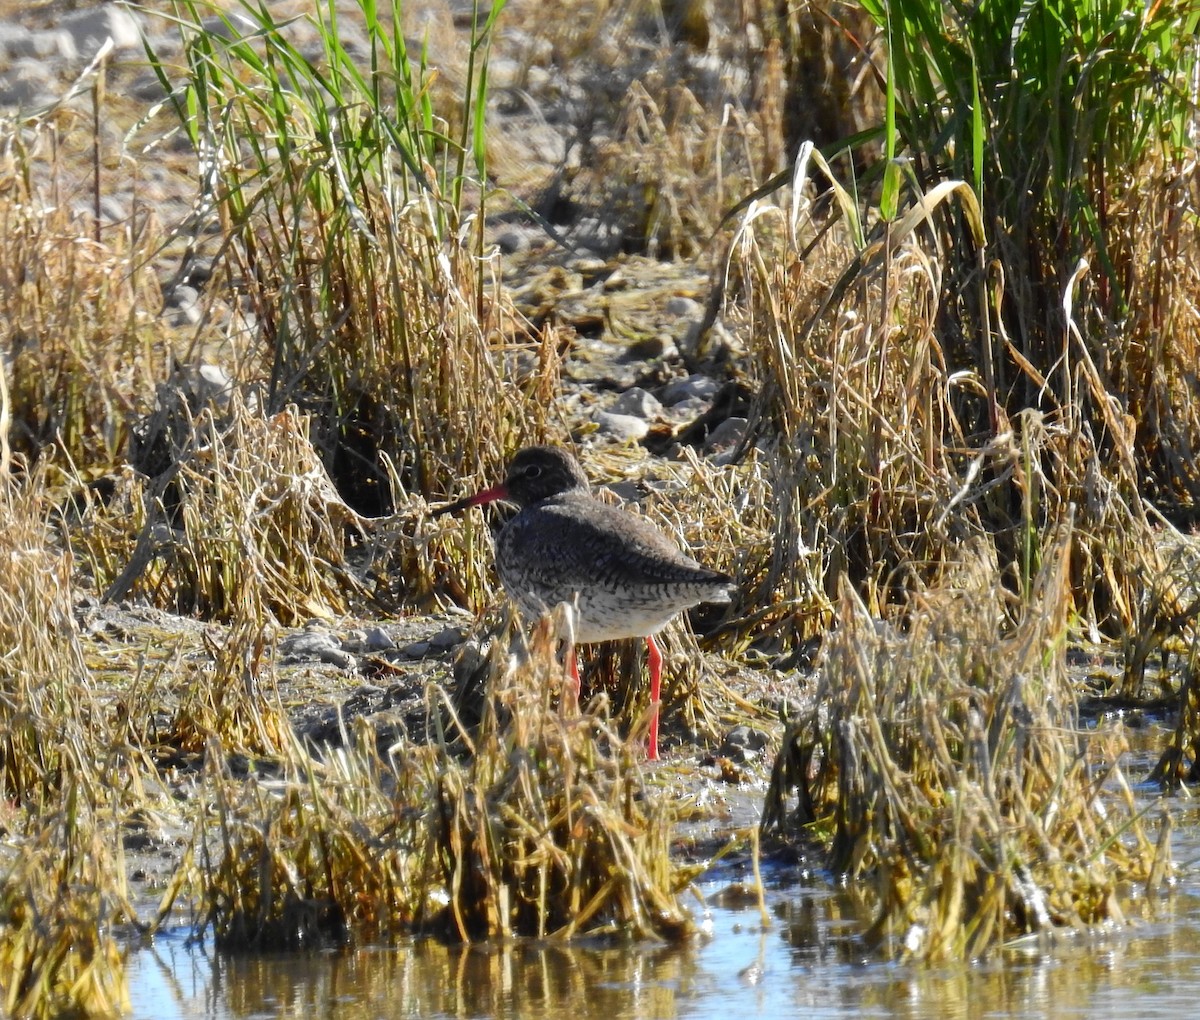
{"x":504,"y":73}
{"x":622,"y":427}
{"x":182,"y":306}
{"x":694,"y":386}
{"x":688,"y":409}
{"x":55,"y":44}
{"x":148,"y":88}
{"x":378,"y":640}
{"x":219,"y":27}
{"x":25,"y":90}
{"x":439,"y":643}
{"x":90,"y":28}
{"x":512,"y":241}
{"x":648,"y":348}
{"x":685,"y":308}
{"x":743,"y":742}
{"x":447,"y":638}
{"x":313,"y":644}
{"x":206,"y":384}
{"x":637,"y":402}
{"x":726,"y":435}
{"x":336,"y":657}
{"x":618,"y":280}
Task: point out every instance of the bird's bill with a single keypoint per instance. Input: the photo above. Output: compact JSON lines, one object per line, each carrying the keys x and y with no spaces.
{"x":484,"y":496}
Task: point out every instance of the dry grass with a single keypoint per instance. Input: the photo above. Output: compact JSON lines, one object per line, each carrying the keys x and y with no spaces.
{"x":945,"y":765}
{"x":45,"y":736}
{"x":68,"y":780}
{"x":377,"y":362}
{"x":544,"y":828}
{"x":61,"y":892}
{"x":78,"y":313}
{"x":550,"y":828}
{"x":244,"y":514}
{"x":680,"y":116}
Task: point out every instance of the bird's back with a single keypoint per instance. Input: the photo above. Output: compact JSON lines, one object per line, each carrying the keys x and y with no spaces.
{"x":628,"y":577}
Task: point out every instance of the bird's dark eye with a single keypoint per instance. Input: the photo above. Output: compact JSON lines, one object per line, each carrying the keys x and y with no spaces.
{"x":533,"y":471}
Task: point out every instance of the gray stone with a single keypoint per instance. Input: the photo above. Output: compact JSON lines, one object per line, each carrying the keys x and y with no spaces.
{"x":354,"y":641}
{"x":726,"y":435}
{"x":89,"y":29}
{"x":623,"y":427}
{"x":148,"y":88}
{"x":182,"y":307}
{"x":658,"y":346}
{"x":181,"y":296}
{"x":637,"y":402}
{"x":688,"y":409}
{"x":699,"y":386}
{"x":378,"y":640}
{"x":54,"y":44}
{"x":222,"y":29}
{"x":310,"y":643}
{"x":512,"y":241}
{"x":20,"y":93}
{"x":743,"y":742}
{"x":37,"y":71}
{"x":319,"y":645}
{"x":617,"y":280}
{"x":177,"y":318}
{"x":336,"y":657}
{"x":685,"y":308}
{"x":211,"y":384}
{"x":15,"y":40}
{"x":504,"y":72}
{"x":447,"y":638}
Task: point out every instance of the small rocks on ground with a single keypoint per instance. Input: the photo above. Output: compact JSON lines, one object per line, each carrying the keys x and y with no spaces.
{"x":685,"y":308}
{"x":695,"y":386}
{"x":622,"y":427}
{"x":90,"y":28}
{"x":743,"y":742}
{"x":319,"y":645}
{"x":726,"y":435}
{"x":637,"y":402}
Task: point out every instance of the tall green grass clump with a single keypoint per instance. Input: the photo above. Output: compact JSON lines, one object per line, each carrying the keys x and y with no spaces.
{"x":1072,"y":122}
{"x":347,"y":192}
{"x":992,"y":328}
{"x":351,"y":194}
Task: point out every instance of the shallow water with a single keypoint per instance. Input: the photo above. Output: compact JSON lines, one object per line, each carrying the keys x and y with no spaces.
{"x":805,"y":964}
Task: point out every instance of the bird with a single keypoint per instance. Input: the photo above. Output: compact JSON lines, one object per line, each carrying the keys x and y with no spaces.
{"x":625,"y":577}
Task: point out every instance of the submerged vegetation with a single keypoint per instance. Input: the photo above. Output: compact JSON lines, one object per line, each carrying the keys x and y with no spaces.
{"x":961,"y":340}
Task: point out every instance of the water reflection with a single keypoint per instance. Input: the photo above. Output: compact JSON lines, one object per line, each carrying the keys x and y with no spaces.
{"x":418,"y":979}
{"x":806,"y":964}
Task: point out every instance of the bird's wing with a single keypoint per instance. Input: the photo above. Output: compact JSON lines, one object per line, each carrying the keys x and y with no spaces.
{"x":561,"y":549}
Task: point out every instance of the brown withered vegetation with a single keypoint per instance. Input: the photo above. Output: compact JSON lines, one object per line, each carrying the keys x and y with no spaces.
{"x":964,"y":455}
{"x":536,"y":822}
{"x":948,"y":761}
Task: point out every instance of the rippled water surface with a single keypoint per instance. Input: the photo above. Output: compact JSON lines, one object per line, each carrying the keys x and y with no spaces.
{"x":805,"y":964}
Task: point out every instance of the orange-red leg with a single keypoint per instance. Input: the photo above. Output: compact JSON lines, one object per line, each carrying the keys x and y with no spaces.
{"x":654,"y":657}
{"x":573,"y":666}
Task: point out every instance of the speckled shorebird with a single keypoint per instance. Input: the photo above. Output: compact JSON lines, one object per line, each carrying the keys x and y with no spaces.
{"x":626,"y":577}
